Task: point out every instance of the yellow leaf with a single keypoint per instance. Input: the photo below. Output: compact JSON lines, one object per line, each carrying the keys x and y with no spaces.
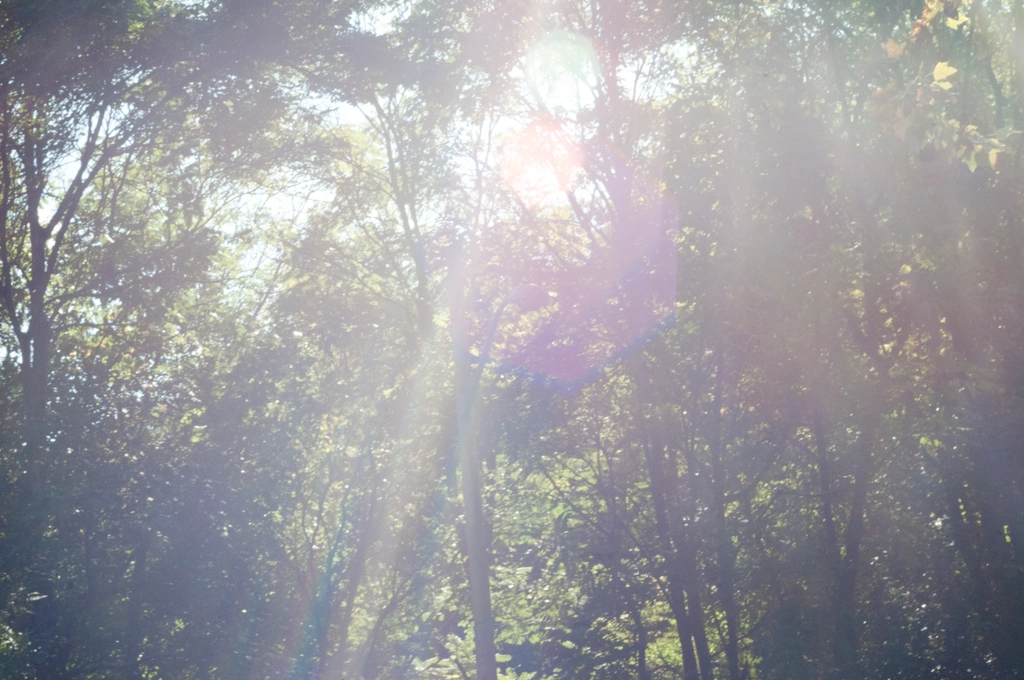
{"x":943,"y":70}
{"x":955,"y":23}
{"x":944,"y":84}
{"x":992,"y":154}
{"x":893,"y":49}
{"x":972,"y":164}
{"x":905,"y":269}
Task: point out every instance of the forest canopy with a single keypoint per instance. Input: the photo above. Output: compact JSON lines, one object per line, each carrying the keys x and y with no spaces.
{"x":696,"y":327}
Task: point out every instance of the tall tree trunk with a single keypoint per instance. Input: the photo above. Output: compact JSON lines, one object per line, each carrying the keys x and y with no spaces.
{"x":847,"y":639}
{"x":355,"y":571}
{"x":681,"y":561}
{"x":833,"y":554}
{"x":654,"y":454}
{"x":133,"y":628}
{"x":725,"y":554}
{"x":642,"y":671}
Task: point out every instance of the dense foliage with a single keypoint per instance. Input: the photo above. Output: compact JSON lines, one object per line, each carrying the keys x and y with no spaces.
{"x":229,"y":236}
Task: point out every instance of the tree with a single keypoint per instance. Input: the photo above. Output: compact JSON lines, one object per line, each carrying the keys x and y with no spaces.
{"x":227,"y":416}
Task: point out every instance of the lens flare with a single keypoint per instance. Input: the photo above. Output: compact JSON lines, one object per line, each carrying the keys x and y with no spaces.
{"x":540,"y":162}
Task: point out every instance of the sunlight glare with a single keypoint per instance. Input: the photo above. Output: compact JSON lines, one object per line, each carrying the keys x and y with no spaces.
{"x":540,"y":163}
{"x":562,"y":72}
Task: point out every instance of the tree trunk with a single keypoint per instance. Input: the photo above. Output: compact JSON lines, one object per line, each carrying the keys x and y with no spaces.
{"x":680,"y":556}
{"x":726,"y":555}
{"x":133,"y":629}
{"x":832,"y":552}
